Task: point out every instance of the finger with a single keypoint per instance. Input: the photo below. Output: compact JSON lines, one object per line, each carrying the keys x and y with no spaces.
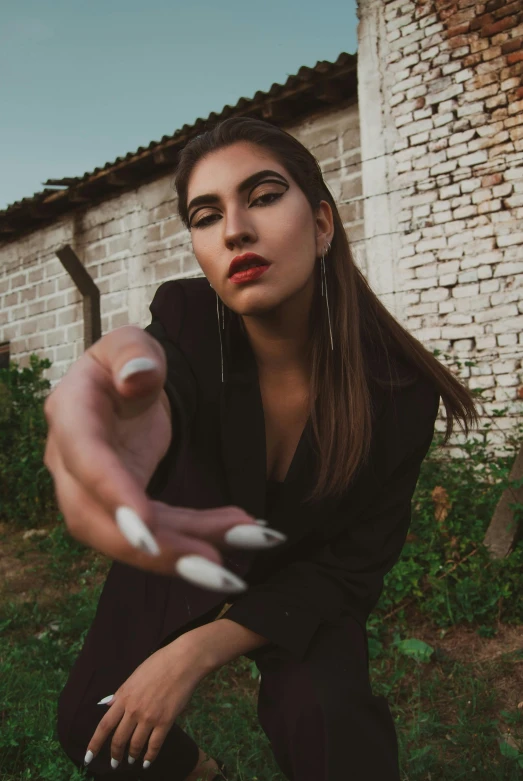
{"x":139,"y":740}
{"x":123,"y":735}
{"x":81,"y":413}
{"x":156,"y":741}
{"x":134,"y":360}
{"x":86,"y":450}
{"x":225,"y":527}
{"x":105,"y":727}
{"x":89,"y":523}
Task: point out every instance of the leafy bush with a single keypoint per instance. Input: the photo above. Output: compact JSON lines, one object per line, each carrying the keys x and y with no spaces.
{"x":444,"y":569}
{"x":26,"y":488}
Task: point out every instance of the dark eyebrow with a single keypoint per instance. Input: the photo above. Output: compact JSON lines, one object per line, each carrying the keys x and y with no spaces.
{"x":249,"y":182}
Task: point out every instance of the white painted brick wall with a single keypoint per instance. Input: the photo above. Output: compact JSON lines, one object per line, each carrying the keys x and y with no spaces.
{"x":451,"y":102}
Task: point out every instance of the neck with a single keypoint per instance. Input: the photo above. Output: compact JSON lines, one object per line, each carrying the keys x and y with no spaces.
{"x":279,"y":339}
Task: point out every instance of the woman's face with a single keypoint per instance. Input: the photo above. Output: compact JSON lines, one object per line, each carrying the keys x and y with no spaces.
{"x":240,"y":199}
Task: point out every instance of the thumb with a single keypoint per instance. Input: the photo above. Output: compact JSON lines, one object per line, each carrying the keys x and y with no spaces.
{"x":137,"y":365}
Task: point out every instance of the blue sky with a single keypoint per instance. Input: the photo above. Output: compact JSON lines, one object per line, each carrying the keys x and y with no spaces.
{"x":85,"y":82}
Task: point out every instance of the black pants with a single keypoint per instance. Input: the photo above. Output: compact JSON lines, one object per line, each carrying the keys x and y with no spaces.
{"x":320,"y":716}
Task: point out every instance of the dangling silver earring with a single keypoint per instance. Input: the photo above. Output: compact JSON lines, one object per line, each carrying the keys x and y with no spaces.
{"x":220,"y":326}
{"x":324,"y":288}
{"x":220,"y":329}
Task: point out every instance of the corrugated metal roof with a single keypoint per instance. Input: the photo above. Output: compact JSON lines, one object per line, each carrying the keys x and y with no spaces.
{"x":308,"y":91}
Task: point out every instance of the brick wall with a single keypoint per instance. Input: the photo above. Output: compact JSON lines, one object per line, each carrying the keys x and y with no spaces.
{"x":450,"y":182}
{"x":134,"y":242}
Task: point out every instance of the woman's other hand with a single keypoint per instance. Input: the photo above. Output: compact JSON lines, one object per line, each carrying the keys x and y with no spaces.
{"x":109,"y":426}
{"x":144,"y":708}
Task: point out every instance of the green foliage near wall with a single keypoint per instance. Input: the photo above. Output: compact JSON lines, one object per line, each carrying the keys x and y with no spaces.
{"x":26,"y":487}
{"x":444,"y":570}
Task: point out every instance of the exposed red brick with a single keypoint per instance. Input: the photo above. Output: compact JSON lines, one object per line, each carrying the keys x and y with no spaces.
{"x":460,"y":29}
{"x":498,"y":27}
{"x":469,"y":3}
{"x":515,"y":57}
{"x":505,"y":10}
{"x":478,"y":44}
{"x":471,"y":60}
{"x":491,"y":53}
{"x":519,"y":93}
{"x":420,"y":103}
{"x":481,"y":21}
{"x":493,"y":5}
{"x":459,"y":40}
{"x":446,"y":13}
{"x":515,"y":45}
{"x":465,"y":15}
{"x":492,"y":180}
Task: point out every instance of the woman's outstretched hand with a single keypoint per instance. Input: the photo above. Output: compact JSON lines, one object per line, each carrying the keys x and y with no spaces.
{"x":109,"y":427}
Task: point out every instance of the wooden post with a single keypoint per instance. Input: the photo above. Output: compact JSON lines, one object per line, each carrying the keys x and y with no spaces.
{"x":90,"y":292}
{"x":503,"y":531}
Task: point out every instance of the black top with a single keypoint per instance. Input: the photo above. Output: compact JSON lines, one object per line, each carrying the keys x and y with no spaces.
{"x":338,"y":549}
{"x":273,"y":492}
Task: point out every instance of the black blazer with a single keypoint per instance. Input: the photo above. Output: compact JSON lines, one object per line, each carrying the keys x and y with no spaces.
{"x":337,"y":551}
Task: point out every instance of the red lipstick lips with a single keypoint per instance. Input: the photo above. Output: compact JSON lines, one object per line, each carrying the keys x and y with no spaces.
{"x":238,"y":271}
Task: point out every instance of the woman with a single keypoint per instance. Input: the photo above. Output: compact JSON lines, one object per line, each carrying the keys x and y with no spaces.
{"x":287,"y":376}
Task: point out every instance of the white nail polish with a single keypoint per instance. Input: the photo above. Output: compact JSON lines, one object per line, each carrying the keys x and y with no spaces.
{"x":135,"y":531}
{"x":146,"y":764}
{"x":88,"y":757}
{"x":205,"y":573}
{"x":246,"y":536}
{"x":262,"y":522}
{"x":106,"y":700}
{"x":135,"y":366}
{"x":114,"y":763}
{"x":131,"y":760}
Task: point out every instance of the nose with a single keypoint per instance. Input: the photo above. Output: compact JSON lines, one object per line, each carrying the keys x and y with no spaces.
{"x":238,"y":229}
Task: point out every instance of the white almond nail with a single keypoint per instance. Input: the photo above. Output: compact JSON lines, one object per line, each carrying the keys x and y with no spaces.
{"x":146,"y":764}
{"x":135,"y":531}
{"x":262,"y":522}
{"x":106,"y":700}
{"x":131,"y":760}
{"x":135,"y":366}
{"x":199,"y":570}
{"x":247,"y":536}
{"x":88,"y":757}
{"x":114,"y":763}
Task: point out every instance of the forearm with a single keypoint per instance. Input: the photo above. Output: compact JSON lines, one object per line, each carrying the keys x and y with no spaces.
{"x":220,"y":642}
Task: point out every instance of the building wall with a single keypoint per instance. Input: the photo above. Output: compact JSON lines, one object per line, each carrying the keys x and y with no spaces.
{"x":132,"y":243}
{"x":441,"y":110}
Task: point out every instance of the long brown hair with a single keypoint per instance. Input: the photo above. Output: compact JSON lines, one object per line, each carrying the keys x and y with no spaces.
{"x":339,"y":399}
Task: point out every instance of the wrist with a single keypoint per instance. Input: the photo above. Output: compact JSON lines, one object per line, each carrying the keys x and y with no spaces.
{"x":212,"y":645}
{"x":196,"y":647}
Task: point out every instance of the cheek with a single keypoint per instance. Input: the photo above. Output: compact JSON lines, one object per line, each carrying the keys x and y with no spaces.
{"x":204,"y":249}
{"x":294,"y":228}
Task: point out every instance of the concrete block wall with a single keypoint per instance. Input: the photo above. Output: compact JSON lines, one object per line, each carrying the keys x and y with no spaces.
{"x":451,"y":89}
{"x":132,"y":243}
{"x":128,"y":244}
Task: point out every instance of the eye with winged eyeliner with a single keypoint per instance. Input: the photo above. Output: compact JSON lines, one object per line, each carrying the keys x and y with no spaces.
{"x":264,"y":199}
{"x":250,"y":183}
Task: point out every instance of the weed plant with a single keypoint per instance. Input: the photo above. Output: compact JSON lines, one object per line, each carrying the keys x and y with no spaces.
{"x":26,"y":488}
